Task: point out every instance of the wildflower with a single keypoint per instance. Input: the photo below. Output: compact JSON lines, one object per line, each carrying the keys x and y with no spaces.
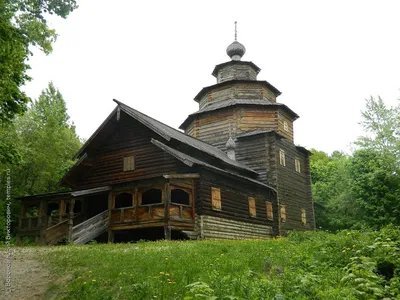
{"x":344,"y":250}
{"x":166,"y":258}
{"x":120,"y":274}
{"x":166,"y":274}
{"x":161,"y":273}
{"x":222,"y":254}
{"x":172,"y":282}
{"x":84,"y":282}
{"x":93,"y":280}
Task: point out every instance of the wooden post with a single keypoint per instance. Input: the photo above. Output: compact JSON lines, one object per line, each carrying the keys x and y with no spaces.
{"x":61,"y":210}
{"x":167,"y":228}
{"x":42,"y":221}
{"x":110,"y":207}
{"x":71,"y":219}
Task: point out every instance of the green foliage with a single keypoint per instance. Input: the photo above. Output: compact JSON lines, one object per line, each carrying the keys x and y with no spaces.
{"x":44,"y":141}
{"x":23,"y":24}
{"x":306,"y":265}
{"x":361,"y":190}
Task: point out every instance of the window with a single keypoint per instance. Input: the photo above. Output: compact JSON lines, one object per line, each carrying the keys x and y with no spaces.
{"x":123,"y":200}
{"x":129,"y":163}
{"x":283,"y":213}
{"x":270,"y":214}
{"x":215,"y":198}
{"x":252,"y":207}
{"x":180,"y":197}
{"x":282,"y":157}
{"x":297,"y":165}
{"x":303,"y":216}
{"x":152,"y":196}
{"x":285,"y":126}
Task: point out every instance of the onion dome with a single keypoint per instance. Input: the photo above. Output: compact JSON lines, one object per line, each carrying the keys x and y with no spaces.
{"x":235,"y":50}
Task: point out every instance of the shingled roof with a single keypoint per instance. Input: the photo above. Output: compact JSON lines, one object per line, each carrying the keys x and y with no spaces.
{"x":168,"y":133}
{"x":232,"y":102}
{"x":190,"y":161}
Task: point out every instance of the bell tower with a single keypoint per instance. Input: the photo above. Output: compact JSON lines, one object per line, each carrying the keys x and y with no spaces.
{"x":238,"y":103}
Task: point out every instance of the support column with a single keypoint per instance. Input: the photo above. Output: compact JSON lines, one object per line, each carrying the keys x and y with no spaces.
{"x":167,"y":228}
{"x":110,"y":206}
{"x":42,"y":220}
{"x":71,"y":219}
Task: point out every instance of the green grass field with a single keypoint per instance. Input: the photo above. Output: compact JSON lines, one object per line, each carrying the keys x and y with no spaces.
{"x":311,"y":265}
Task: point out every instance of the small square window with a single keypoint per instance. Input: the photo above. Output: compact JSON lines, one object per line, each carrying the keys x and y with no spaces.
{"x":303,"y":216}
{"x":297,"y":165}
{"x":129,"y":163}
{"x":283,"y":213}
{"x":252,"y":207}
{"x":282,"y":160}
{"x":285,"y":126}
{"x":215,"y":198}
{"x":270,"y":213}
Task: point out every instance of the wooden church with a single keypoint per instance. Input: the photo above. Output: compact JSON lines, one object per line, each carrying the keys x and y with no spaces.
{"x":233,"y":173}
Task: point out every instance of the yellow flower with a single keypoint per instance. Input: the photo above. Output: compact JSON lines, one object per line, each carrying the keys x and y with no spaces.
{"x":344,"y":250}
{"x":161,"y":273}
{"x":166,"y":274}
{"x":93,"y":280}
{"x":166,"y":258}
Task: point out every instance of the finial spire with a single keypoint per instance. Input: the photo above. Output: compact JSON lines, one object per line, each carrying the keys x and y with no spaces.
{"x":235,"y":50}
{"x":235,"y":30}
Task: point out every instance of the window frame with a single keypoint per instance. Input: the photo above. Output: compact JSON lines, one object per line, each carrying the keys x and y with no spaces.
{"x":286,"y":126}
{"x":269,"y":210}
{"x":129,"y":163}
{"x":283,"y":213}
{"x":252,"y":206}
{"x":303,"y":216}
{"x":216,"y":192}
{"x":297,"y":165}
{"x":282,"y":157}
{"x":140,"y":196}
{"x":187,"y":191}
{"x":120,"y":193}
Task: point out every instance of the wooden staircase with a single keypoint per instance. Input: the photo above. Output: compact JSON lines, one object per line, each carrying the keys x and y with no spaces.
{"x":90,"y":229}
{"x":56,"y":233}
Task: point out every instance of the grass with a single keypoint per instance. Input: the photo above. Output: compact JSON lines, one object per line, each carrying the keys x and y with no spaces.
{"x":311,"y":265}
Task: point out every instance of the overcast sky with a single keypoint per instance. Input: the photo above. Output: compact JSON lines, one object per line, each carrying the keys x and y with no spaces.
{"x":326,"y":57}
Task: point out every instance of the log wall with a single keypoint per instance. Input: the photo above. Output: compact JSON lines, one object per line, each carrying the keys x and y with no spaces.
{"x":236,"y":72}
{"x":129,"y":138}
{"x":234,"y":200}
{"x":294,"y":189}
{"x":237,"y":91}
{"x":219,"y":228}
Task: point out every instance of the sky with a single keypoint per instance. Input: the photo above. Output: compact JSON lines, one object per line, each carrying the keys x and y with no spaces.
{"x":326,"y":57}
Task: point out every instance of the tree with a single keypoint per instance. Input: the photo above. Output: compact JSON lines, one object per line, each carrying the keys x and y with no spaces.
{"x":334,"y":208}
{"x":45,"y":140}
{"x":23,"y":24}
{"x":375,"y":168}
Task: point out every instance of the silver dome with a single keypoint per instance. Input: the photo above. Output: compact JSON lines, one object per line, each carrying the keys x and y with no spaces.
{"x":235,"y":50}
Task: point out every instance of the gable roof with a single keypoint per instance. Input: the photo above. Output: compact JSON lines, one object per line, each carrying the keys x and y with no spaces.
{"x":190,"y":161}
{"x":168,"y":133}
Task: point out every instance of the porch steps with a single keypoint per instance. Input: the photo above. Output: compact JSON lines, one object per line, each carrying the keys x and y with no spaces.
{"x":90,"y":229}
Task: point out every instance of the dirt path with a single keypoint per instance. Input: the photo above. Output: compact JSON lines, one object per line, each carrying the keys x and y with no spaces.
{"x":29,"y":278}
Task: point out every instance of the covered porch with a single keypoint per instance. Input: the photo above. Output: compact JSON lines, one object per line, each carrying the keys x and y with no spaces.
{"x":164,"y":203}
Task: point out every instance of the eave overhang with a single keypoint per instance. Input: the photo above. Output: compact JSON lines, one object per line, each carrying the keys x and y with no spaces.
{"x":231,"y":103}
{"x":231,"y":82}
{"x":235,"y":62}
